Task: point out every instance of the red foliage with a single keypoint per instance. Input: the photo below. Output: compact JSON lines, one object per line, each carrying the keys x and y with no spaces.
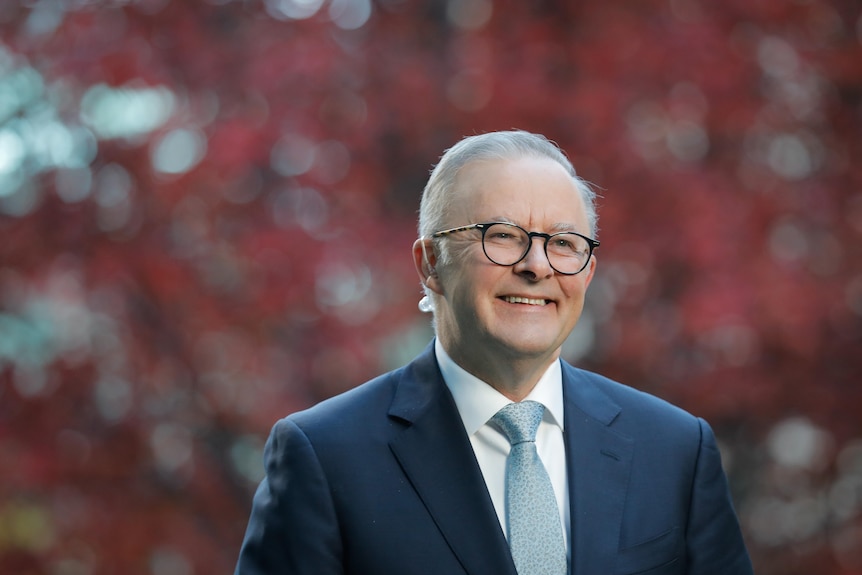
{"x":155,"y":325}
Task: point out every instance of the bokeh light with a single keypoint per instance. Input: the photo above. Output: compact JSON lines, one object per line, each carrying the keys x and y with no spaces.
{"x":207,"y":208}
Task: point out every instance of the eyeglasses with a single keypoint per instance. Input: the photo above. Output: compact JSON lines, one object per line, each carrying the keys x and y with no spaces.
{"x":507,"y":244}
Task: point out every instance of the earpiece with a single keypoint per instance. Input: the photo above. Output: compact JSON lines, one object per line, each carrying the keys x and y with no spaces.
{"x":425,"y":305}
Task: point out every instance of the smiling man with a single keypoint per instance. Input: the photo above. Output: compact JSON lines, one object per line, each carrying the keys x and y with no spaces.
{"x":488,"y":454}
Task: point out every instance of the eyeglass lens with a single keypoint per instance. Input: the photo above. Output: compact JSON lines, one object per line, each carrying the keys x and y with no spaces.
{"x":507,"y":244}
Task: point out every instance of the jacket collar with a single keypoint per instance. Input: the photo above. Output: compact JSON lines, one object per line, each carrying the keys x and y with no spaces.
{"x":436,"y":455}
{"x":599,"y":465}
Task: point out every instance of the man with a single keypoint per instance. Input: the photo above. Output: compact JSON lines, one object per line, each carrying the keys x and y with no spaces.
{"x":427,"y":469}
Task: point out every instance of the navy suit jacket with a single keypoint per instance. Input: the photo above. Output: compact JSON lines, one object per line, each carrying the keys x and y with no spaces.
{"x":382,"y":480}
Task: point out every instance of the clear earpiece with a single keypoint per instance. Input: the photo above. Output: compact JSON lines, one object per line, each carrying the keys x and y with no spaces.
{"x":425,"y":304}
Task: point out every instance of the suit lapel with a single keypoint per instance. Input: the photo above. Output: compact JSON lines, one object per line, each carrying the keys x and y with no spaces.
{"x":437,"y":457}
{"x":599,"y":464}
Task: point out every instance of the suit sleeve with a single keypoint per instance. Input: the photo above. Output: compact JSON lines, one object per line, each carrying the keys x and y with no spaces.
{"x":293,"y":528}
{"x":714,"y":538}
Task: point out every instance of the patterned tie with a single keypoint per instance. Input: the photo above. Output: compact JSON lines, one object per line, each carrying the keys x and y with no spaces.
{"x":535,"y":533}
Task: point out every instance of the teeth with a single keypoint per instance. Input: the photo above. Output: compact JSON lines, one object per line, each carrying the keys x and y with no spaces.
{"x":526,"y":300}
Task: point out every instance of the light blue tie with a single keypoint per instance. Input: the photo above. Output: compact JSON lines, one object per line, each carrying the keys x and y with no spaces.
{"x":535,"y":533}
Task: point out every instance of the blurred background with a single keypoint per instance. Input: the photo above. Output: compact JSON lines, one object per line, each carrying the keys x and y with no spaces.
{"x":207,"y":209}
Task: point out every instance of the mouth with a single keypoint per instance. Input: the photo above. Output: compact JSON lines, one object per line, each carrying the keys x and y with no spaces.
{"x":525,"y":300}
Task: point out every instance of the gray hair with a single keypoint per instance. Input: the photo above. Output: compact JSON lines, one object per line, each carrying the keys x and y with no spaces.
{"x":492,"y":146}
{"x":433,"y":209}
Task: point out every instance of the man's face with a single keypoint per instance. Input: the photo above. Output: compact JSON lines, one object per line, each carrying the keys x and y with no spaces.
{"x":489,"y":312}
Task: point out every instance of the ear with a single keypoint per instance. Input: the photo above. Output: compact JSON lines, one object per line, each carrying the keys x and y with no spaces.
{"x":590,"y":271}
{"x":425,"y":260}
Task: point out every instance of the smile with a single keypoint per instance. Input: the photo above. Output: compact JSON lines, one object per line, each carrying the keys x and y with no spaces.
{"x":525,"y":300}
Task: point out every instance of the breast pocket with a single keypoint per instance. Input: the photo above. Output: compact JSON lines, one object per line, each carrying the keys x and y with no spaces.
{"x":661,"y":555}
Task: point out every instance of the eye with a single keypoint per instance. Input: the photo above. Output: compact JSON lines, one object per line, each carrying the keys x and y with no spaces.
{"x":504,"y":234}
{"x":568,"y":245}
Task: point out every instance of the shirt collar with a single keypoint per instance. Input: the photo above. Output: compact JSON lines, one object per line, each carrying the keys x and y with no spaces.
{"x":477,"y":401}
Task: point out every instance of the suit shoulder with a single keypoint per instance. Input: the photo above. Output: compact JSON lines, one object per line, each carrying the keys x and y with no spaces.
{"x":362,"y":402}
{"x":635,"y":404}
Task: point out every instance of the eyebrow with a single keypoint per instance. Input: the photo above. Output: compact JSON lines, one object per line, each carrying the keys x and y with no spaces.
{"x":558,"y":227}
{"x":564,"y":227}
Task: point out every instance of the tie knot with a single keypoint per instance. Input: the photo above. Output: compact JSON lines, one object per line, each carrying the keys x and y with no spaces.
{"x":519,"y":421}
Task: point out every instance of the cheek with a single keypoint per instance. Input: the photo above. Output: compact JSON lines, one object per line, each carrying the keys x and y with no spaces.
{"x":460,"y":252}
{"x":575,"y":293}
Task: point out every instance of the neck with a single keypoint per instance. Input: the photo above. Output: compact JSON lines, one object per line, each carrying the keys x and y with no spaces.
{"x":512,"y":375}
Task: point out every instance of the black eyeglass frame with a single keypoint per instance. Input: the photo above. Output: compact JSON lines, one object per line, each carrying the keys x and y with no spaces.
{"x":530,"y":235}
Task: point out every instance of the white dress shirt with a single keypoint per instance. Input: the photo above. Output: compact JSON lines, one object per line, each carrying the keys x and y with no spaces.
{"x":477,"y":403}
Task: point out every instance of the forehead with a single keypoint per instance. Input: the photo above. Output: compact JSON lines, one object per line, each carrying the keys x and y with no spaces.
{"x":530,"y":191}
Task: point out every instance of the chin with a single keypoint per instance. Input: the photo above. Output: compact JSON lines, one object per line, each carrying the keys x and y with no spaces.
{"x":532,"y":347}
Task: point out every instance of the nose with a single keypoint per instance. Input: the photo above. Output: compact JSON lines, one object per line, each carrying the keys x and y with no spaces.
{"x":535,"y":264}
